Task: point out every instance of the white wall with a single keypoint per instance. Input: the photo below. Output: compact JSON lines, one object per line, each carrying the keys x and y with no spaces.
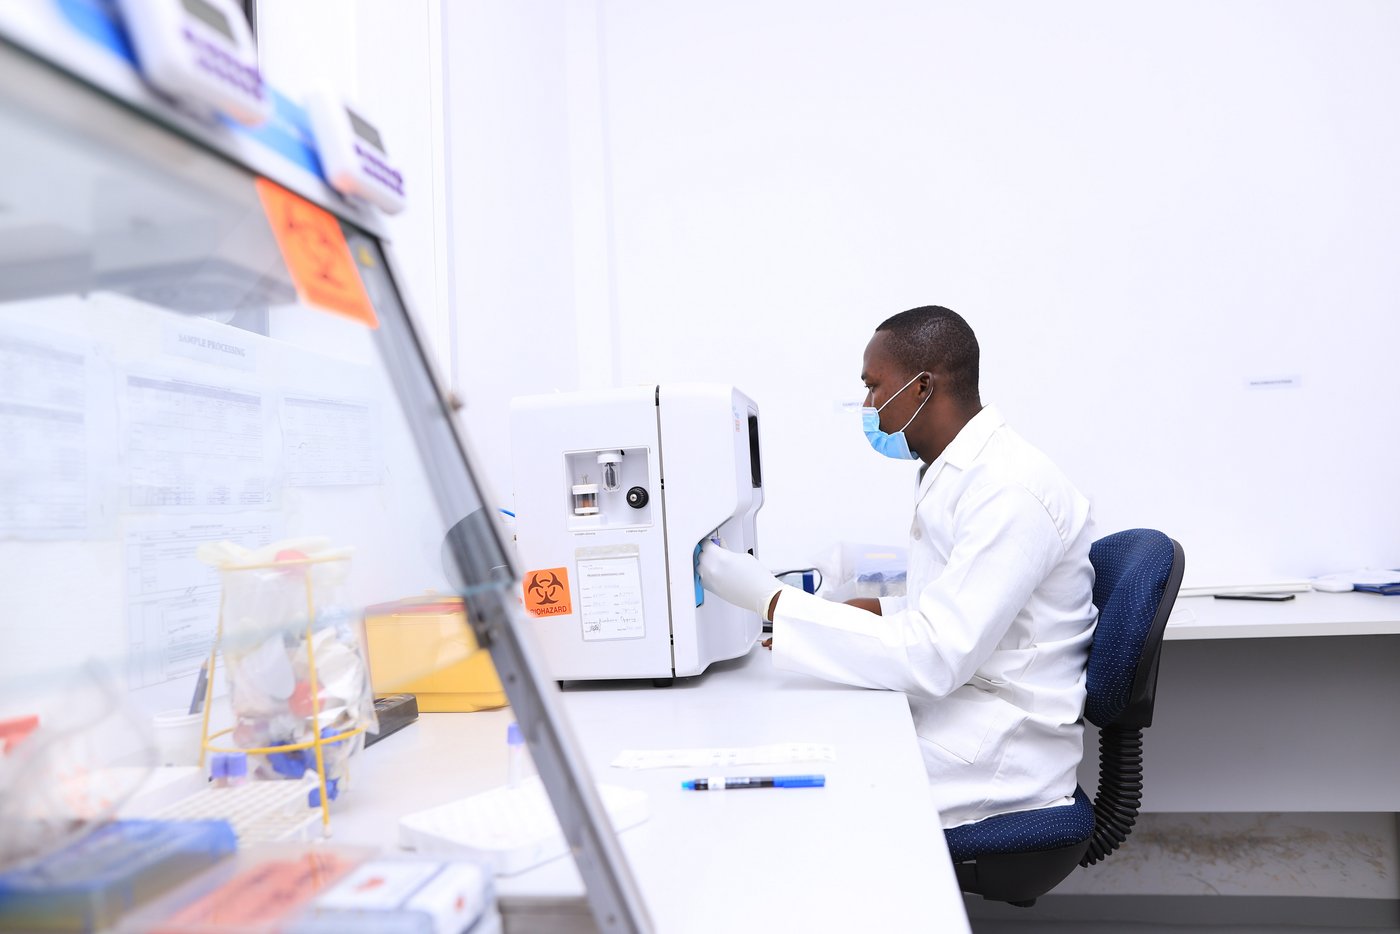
{"x":472,"y":97}
{"x":386,"y":57}
{"x":511,"y":262}
{"x":398,"y":53}
{"x":1139,"y":208}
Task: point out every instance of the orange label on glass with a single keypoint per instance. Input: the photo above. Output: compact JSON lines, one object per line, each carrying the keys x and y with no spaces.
{"x":267,"y":893}
{"x":547,"y":592}
{"x":314,"y":249}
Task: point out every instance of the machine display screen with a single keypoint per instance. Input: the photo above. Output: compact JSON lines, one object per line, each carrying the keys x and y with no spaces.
{"x":365,"y":130}
{"x":210,"y":16}
{"x":755,"y":467}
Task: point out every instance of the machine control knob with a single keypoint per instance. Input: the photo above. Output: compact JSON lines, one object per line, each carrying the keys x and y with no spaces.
{"x":637,"y":497}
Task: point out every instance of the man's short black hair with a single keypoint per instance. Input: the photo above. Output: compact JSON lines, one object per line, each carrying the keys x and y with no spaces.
{"x":938,"y":340}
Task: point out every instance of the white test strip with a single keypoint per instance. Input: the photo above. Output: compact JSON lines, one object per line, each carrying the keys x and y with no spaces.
{"x":724,"y":755}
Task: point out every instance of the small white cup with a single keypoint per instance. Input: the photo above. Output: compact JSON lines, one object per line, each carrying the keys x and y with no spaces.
{"x":177,"y":737}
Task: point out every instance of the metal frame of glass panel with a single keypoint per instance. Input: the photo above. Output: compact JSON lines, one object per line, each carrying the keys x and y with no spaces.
{"x":44,"y":62}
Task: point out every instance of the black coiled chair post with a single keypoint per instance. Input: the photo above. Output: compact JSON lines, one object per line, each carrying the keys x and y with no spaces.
{"x":1120,"y":791}
{"x":1017,"y":858}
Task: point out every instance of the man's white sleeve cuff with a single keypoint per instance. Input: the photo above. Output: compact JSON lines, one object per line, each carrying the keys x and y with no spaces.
{"x":892,"y":605}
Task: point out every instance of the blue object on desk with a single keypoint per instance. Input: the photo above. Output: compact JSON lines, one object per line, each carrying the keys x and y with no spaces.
{"x":1385,"y":590}
{"x":92,"y":882}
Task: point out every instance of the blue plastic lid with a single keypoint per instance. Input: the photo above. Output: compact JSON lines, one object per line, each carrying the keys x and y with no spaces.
{"x":218,"y":765}
{"x":513,"y":736}
{"x":313,"y":797}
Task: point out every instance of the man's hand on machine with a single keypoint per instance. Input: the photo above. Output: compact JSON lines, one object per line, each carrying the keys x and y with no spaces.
{"x":738,"y":578}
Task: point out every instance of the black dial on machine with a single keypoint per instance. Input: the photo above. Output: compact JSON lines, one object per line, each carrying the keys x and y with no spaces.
{"x":637,"y":497}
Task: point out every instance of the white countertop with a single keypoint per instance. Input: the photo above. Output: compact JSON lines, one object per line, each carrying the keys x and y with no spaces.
{"x":864,"y":853}
{"x":1310,"y":614}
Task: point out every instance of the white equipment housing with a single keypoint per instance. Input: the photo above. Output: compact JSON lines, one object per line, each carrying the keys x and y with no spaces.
{"x":200,"y":52}
{"x":352,"y":152}
{"x":686,"y":465}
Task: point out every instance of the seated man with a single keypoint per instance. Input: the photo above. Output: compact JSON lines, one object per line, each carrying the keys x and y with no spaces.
{"x":991,"y":642}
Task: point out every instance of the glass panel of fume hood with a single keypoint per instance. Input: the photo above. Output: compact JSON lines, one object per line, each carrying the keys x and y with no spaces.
{"x":167,"y":401}
{"x":161,"y":387}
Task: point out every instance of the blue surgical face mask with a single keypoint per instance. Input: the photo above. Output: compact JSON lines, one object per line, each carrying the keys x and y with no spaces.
{"x":891,"y":445}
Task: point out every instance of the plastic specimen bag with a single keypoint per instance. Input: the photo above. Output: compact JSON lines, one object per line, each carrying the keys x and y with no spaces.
{"x":286,"y":623}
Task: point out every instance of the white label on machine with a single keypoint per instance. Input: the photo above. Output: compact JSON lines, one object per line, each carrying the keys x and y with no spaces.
{"x":610,"y":593}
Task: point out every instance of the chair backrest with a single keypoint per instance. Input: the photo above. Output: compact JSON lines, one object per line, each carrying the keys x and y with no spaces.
{"x":1137,"y":574}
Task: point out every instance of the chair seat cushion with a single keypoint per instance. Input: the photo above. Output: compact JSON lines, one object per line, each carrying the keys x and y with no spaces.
{"x":1023,"y":831}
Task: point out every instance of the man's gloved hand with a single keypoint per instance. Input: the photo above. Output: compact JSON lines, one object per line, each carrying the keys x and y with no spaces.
{"x":737,"y":578}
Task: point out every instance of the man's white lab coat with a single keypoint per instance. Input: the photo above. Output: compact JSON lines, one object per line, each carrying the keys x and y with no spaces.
{"x":991,"y":642}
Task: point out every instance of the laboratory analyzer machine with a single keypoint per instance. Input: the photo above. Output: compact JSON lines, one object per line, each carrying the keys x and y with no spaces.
{"x":615,"y":491}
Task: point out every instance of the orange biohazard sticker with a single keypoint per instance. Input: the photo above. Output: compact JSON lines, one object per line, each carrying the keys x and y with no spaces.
{"x":313,"y":247}
{"x":547,"y":592}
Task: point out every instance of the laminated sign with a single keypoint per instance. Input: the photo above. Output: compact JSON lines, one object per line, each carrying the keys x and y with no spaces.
{"x":547,"y":592}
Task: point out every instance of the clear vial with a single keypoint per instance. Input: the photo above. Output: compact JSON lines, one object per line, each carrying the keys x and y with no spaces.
{"x":585,"y":498}
{"x":607,"y":463}
{"x":518,"y":764}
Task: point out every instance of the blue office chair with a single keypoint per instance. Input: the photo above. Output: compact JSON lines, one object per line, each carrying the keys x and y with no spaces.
{"x":1017,"y":858}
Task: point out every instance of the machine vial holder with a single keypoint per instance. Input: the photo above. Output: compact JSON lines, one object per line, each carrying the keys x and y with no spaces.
{"x":615,"y":490}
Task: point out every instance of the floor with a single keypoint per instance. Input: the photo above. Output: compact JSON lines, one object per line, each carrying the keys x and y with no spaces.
{"x":1139,"y":914}
{"x":1226,"y":874}
{"x":1116,"y":927}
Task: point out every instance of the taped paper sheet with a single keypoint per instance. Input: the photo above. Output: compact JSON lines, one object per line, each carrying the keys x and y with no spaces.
{"x":724,"y":755}
{"x":610,"y":596}
{"x":44,"y":433}
{"x":197,"y":446}
{"x":329,"y":442}
{"x":172,"y":597}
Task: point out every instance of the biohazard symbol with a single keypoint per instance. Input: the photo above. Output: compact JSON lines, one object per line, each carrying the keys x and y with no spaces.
{"x":318,"y":244}
{"x":316,"y":254}
{"x":546,"y":588}
{"x":547,"y":592}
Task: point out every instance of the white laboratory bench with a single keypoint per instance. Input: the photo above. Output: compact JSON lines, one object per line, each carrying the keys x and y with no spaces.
{"x":1290,"y":707}
{"x":865,"y":853}
{"x":1308,"y":614}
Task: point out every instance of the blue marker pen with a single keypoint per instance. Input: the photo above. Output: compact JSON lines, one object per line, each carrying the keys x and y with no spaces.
{"x":721,"y":783}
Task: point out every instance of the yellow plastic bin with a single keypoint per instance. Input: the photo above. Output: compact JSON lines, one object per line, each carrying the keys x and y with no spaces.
{"x":423,"y":646}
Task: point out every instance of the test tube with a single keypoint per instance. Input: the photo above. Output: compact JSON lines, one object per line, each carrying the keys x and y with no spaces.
{"x":515,"y":750}
{"x":218,"y":770}
{"x":236,"y":769}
